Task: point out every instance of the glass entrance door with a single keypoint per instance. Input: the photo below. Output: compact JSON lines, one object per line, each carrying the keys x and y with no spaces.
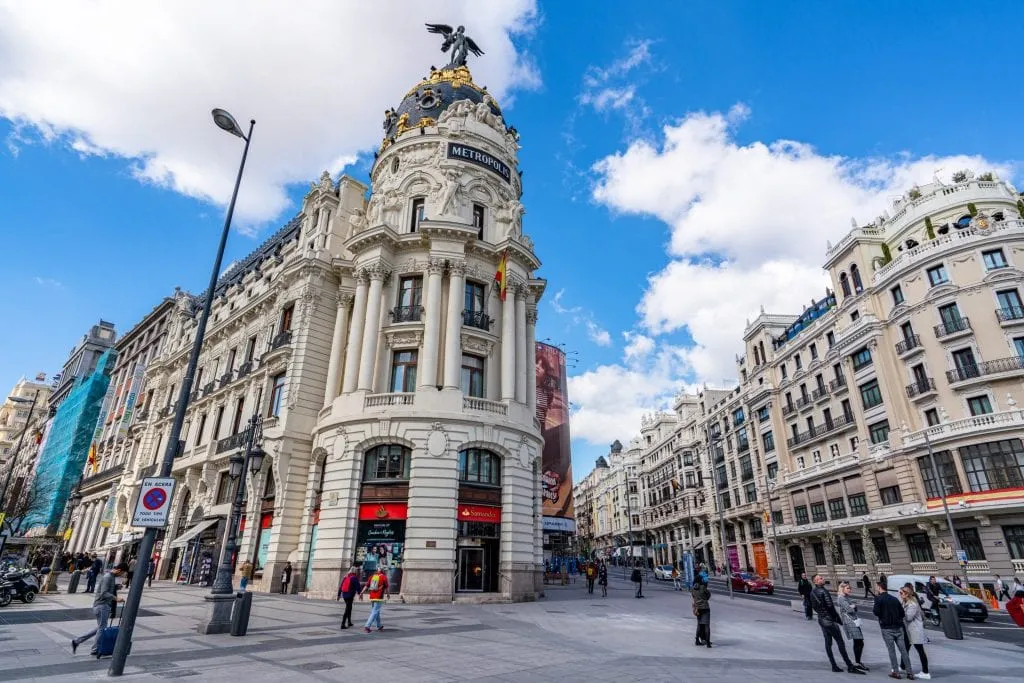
{"x":471,"y":569}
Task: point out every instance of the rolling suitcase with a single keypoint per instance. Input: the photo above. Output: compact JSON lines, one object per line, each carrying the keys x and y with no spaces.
{"x":106,"y":638}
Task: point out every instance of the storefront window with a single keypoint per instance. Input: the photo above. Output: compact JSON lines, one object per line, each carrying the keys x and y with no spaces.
{"x":387,"y":462}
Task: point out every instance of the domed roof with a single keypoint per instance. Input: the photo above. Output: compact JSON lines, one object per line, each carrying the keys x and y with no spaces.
{"x":423,"y":105}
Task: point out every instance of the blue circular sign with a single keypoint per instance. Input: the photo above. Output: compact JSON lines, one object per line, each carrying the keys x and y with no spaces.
{"x":154,"y":499}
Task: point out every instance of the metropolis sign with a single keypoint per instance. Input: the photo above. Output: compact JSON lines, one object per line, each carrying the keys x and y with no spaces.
{"x":480,"y":158}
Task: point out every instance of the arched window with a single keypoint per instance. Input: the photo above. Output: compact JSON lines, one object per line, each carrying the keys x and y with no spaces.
{"x":388,"y":462}
{"x":477,"y":466}
{"x":844,"y":284}
{"x":855,"y":276}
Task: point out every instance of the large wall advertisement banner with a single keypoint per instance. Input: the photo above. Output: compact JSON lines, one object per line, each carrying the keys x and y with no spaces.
{"x":553,"y":414}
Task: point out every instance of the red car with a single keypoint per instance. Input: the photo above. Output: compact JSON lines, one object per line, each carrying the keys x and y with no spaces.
{"x":752,"y":583}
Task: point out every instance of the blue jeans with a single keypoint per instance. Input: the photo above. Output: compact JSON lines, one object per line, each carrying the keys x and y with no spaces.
{"x":375,"y":614}
{"x":102,"y":614}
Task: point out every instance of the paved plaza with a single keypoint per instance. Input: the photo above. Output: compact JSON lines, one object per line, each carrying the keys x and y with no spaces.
{"x":567,"y":636}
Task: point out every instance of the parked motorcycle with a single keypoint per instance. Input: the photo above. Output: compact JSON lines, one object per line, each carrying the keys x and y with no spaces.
{"x":21,"y":584}
{"x":5,"y":594}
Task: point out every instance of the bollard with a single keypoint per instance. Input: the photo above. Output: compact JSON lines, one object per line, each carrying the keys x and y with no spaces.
{"x":240,"y":613}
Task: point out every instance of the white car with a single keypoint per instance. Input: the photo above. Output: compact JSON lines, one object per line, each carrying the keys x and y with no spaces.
{"x":967,"y":606}
{"x":663,"y":572}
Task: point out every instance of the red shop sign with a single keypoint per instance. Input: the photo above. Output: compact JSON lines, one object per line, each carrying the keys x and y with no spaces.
{"x":480,"y":513}
{"x":374,"y":511}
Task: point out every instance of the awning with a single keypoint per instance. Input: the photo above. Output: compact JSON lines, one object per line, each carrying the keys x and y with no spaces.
{"x":189,"y":535}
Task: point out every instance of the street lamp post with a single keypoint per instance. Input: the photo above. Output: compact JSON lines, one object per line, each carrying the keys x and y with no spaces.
{"x":941,"y":484}
{"x":69,"y":511}
{"x":227,"y":123}
{"x":769,"y":486}
{"x":721,"y":513}
{"x":629,"y":522}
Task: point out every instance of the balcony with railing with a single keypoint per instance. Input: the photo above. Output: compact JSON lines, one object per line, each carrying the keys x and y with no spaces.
{"x":819,"y":394}
{"x":243,"y":369}
{"x":208,"y":389}
{"x":478,"y":319}
{"x":399,"y":398}
{"x":232,"y":442}
{"x":821,"y":430}
{"x":788,"y":409}
{"x":484,"y":405}
{"x":225,"y":380}
{"x":281,"y":339}
{"x":1018,"y":566}
{"x":950,"y":328}
{"x":406,"y":314}
{"x":803,"y":402}
{"x":990,"y":424}
{"x":985,"y":369}
{"x":1010,"y":314}
{"x":910,"y":343}
{"x":837,"y":385}
{"x":921,"y":388}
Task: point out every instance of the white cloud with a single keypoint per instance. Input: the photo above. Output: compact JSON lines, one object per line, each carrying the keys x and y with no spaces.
{"x":48,"y":282}
{"x":595,"y":332}
{"x":609,"y":98}
{"x":749,"y":223}
{"x":638,"y":346}
{"x":138,"y":80}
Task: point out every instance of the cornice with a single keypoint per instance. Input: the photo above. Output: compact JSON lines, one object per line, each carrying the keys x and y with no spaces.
{"x":381,"y":235}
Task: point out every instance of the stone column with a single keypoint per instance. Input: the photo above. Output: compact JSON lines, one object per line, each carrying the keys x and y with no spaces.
{"x":531,"y":358}
{"x":521,"y":368}
{"x":432,"y":325}
{"x":356,"y":335}
{"x":337,"y":346}
{"x":492,"y":364}
{"x":508,"y":348}
{"x":453,"y":328}
{"x":371,"y":331}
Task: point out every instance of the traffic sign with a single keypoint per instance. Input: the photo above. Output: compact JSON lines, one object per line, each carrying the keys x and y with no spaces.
{"x":961,"y":555}
{"x":154,"y":504}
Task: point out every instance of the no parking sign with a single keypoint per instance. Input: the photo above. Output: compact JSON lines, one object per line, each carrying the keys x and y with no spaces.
{"x":154,"y":502}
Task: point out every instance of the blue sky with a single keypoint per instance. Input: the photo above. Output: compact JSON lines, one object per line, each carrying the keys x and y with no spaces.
{"x":684,"y":163}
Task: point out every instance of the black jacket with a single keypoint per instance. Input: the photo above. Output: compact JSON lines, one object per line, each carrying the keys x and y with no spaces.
{"x":888,"y":610}
{"x":821,"y":603}
{"x":804,"y":587}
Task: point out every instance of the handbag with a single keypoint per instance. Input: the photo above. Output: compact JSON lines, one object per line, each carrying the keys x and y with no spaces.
{"x":696,"y":612}
{"x":857,"y":622}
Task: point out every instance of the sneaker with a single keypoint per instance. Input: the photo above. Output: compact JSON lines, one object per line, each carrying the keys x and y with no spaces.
{"x":836,"y":669}
{"x":380,"y":628}
{"x":74,"y":646}
{"x":343,"y":627}
{"x":862,"y":667}
{"x":854,"y":670}
{"x":894,"y":674}
{"x":367,"y":629}
{"x":925,"y":676}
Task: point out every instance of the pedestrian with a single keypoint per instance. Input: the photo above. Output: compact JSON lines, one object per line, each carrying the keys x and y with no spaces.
{"x":591,"y":572}
{"x":821,"y":603}
{"x":957,"y":582}
{"x":1017,"y":586}
{"x":851,"y":622}
{"x":152,"y":569}
{"x":866,"y":580}
{"x":676,"y":584}
{"x":379,"y":592}
{"x":95,"y":570}
{"x":602,"y":578}
{"x":638,"y":578}
{"x":1015,"y":608}
{"x":702,"y":610}
{"x":1001,"y":589}
{"x":804,"y":588}
{"x":890,"y":615}
{"x":931,"y":591}
{"x":103,"y":604}
{"x":286,"y":576}
{"x":347,"y":591}
{"x":132,"y":564}
{"x":914,"y":621}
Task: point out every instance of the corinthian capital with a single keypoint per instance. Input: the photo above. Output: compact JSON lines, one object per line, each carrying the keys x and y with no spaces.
{"x":435,"y":266}
{"x":457,"y":268}
{"x":531,"y":315}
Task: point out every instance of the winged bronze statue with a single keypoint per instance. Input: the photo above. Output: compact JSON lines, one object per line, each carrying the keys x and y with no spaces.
{"x":456,"y":39}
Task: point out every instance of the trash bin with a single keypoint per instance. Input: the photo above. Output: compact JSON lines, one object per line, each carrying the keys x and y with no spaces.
{"x":240,"y":613}
{"x":949,"y":617}
{"x":73,"y":582}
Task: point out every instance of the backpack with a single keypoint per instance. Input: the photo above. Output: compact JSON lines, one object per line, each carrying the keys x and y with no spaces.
{"x":636,"y":577}
{"x":375,"y":582}
{"x":590,"y":572}
{"x":346,"y":584}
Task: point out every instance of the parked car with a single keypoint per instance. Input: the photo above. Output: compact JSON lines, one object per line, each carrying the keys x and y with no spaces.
{"x":967,"y":606}
{"x":752,"y":583}
{"x":663,"y":572}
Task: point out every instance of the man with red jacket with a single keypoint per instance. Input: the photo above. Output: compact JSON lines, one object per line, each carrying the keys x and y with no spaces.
{"x":1015,"y":608}
{"x":379,"y":590}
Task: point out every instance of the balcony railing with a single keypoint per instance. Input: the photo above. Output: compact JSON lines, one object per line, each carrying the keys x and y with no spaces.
{"x":477,"y":319}
{"x":282,"y":339}
{"x":244,"y":369}
{"x":225,"y":379}
{"x":406,"y":314}
{"x":208,"y":389}
{"x":1010,"y":313}
{"x":231,"y":443}
{"x":392,"y":399}
{"x":908,"y":343}
{"x":484,"y":405}
{"x":166,"y":411}
{"x":838,"y":384}
{"x":820,"y":430}
{"x":819,"y":393}
{"x":948,"y":327}
{"x":787,"y":409}
{"x":803,"y":402}
{"x":989,"y":367}
{"x":920,"y":387}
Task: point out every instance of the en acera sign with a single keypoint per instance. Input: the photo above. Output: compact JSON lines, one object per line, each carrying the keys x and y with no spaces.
{"x":154,"y":502}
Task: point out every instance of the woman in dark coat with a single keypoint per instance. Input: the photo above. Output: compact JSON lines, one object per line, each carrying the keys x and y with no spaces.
{"x":702,"y":610}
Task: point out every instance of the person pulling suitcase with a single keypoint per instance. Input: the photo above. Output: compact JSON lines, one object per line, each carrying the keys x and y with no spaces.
{"x":102,"y":606}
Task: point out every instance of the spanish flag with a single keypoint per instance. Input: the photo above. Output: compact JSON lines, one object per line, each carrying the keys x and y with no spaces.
{"x":501,"y":276}
{"x":92,"y":455}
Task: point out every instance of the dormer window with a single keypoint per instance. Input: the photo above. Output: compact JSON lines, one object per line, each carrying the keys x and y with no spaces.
{"x":418,"y":206}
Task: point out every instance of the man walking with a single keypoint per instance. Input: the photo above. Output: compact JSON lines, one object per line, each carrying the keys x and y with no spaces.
{"x":95,"y":570}
{"x":347,"y":591}
{"x":890,"y":620}
{"x":591,"y":572}
{"x":866,"y":580}
{"x":286,"y":576}
{"x":379,"y":592}
{"x":804,"y":588}
{"x":637,"y":578}
{"x":1001,"y":589}
{"x":132,"y":564}
{"x":828,"y":620}
{"x":105,"y":601}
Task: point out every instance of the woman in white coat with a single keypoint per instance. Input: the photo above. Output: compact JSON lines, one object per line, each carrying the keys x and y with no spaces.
{"x":914,"y":621}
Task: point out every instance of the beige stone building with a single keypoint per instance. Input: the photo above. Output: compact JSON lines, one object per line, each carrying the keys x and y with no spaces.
{"x":22,"y":426}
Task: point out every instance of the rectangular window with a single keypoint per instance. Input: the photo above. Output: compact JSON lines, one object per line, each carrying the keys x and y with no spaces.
{"x":890,"y":495}
{"x":478,"y":220}
{"x":937,"y":275}
{"x":979,"y":405}
{"x":993,"y":259}
{"x":951,"y":319}
{"x":819,"y":554}
{"x":772,"y":470}
{"x":777,"y":517}
{"x":830,"y":337}
{"x":769,"y":441}
{"x":418,"y":206}
{"x":879,"y":431}
{"x":763,"y":414}
{"x":474,"y":298}
{"x":881,"y":549}
{"x":750,"y":490}
{"x":756,"y":530}
{"x":858,"y":505}
{"x":818,"y":512}
{"x":250,"y":349}
{"x":966,"y":365}
{"x":1010,"y":306}
{"x":232,"y":355}
{"x":931,"y":417}
{"x":855,"y":316}
{"x":1018,"y":346}
{"x":223,"y":488}
{"x":870,"y":394}
{"x":970,"y":543}
{"x":782,"y":369}
{"x":947,"y":470}
{"x":837,"y":553}
{"x":1014,"y":535}
{"x":861,"y":358}
{"x":473,"y":376}
{"x":837,"y":508}
{"x":814,"y":352}
{"x":857,"y":551}
{"x":217,"y":423}
{"x":286,"y":318}
{"x":798,"y":362}
{"x":403,"y":371}
{"x":726,"y":501}
{"x":202,"y":430}
{"x":800,"y":512}
{"x":410,"y":292}
{"x":994,"y":465}
{"x":236,"y":424}
{"x":897,"y":295}
{"x":276,"y":395}
{"x":920,"y":548}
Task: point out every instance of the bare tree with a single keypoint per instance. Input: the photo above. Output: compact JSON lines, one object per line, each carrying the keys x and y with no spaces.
{"x":27,"y":500}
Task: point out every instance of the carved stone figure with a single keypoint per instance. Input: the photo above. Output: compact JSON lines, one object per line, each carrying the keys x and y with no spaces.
{"x":358,"y":221}
{"x":447,"y":203}
{"x":392,"y":205}
{"x":374,"y":210}
{"x":510,"y":213}
{"x":389,"y":119}
{"x":460,"y":44}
